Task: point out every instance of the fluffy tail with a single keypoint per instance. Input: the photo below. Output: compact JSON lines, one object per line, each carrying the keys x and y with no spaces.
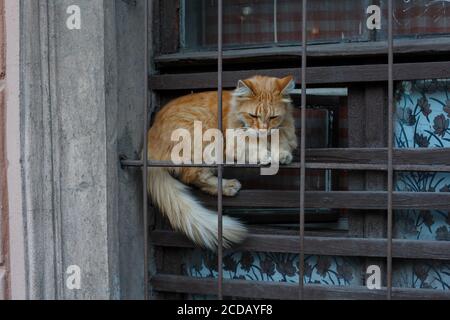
{"x":185,"y":214}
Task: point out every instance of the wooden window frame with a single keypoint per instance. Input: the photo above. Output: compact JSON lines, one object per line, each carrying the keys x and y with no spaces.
{"x":367,"y":156}
{"x":167,"y":46}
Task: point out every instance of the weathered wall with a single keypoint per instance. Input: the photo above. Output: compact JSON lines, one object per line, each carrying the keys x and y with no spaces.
{"x":16,"y":232}
{"x":3,"y":181}
{"x":68,"y":140}
{"x":130,"y":55}
{"x":81,"y":108}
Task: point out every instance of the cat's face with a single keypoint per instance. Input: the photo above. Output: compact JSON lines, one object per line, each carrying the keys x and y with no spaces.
{"x":263,"y":103}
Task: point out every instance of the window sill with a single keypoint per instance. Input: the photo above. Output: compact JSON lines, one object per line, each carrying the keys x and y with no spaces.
{"x":427,"y":46}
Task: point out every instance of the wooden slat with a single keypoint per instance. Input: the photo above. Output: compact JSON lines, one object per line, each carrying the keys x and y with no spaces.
{"x":372,"y":200}
{"x":433,"y":160}
{"x":284,"y":291}
{"x":263,"y":217}
{"x":435,"y":46}
{"x":327,"y":246}
{"x":315,"y":75}
{"x":436,"y":160}
{"x":435,"y":157}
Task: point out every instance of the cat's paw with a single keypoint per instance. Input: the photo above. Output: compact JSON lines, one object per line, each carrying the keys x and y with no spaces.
{"x":231,"y":187}
{"x":265,"y":160}
{"x":285,"y":157}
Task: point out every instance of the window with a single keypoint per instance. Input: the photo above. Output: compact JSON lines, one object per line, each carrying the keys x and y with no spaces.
{"x":358,"y":213}
{"x":253,"y":23}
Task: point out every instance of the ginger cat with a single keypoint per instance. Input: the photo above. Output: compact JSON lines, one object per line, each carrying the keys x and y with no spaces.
{"x":257,"y":103}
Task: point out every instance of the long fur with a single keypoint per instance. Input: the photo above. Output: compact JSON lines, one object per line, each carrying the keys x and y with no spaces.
{"x":251,"y":106}
{"x":185,"y":214}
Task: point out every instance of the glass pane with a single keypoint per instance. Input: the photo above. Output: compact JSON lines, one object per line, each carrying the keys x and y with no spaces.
{"x":423,"y":112}
{"x":422,"y":121}
{"x":250,"y":23}
{"x":276,"y":267}
{"x":245,"y":23}
{"x":421,"y":274}
{"x":336,"y":21}
{"x":418,"y":18}
{"x":253,"y":23}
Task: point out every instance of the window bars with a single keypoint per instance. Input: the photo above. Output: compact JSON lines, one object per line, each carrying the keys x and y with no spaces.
{"x":396,"y":160}
{"x":145,"y":152}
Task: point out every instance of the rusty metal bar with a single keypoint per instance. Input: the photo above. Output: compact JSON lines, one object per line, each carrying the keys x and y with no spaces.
{"x":390,"y":147}
{"x":168,"y":164}
{"x":301,"y":263}
{"x":145,"y":153}
{"x":295,"y":166}
{"x":220,"y":166}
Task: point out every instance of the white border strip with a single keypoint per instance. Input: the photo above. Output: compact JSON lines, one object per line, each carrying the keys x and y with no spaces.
{"x":16,"y":226}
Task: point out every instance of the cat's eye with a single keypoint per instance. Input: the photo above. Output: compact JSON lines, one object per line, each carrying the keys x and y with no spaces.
{"x":274,"y":117}
{"x":253,"y":115}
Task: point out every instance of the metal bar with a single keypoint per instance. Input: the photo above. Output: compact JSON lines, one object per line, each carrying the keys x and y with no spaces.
{"x":390,"y":148}
{"x":145,"y":153}
{"x":220,"y":166}
{"x":433,"y":160}
{"x":303,"y":153}
{"x":296,"y":166}
{"x":168,"y":164}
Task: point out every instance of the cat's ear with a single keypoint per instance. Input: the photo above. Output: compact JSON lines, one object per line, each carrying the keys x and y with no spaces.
{"x":244,"y":89}
{"x":286,"y":85}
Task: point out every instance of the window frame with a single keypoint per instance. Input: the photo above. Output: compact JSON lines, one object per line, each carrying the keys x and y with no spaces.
{"x":363,"y":81}
{"x":168,"y":32}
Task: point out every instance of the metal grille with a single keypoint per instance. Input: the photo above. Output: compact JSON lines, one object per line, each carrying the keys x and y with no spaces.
{"x":302,"y":245}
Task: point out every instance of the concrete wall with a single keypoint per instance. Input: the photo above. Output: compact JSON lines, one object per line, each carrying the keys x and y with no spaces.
{"x":3,"y":182}
{"x":16,"y":233}
{"x":81,"y":108}
{"x":130,"y":55}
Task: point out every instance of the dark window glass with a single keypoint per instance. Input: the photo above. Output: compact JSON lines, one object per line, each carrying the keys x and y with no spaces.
{"x":256,"y":23}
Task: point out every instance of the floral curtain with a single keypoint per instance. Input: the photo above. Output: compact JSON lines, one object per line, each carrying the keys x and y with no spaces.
{"x":422,"y":121}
